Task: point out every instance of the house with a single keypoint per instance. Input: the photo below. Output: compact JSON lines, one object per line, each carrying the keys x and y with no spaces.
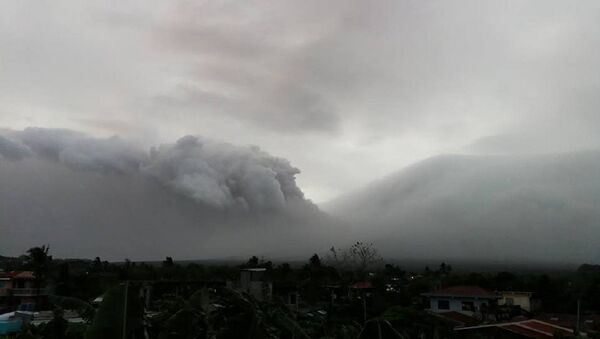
{"x":468,"y":300}
{"x":514,"y":298}
{"x":253,"y":281}
{"x":288,"y":292}
{"x":360,"y":289}
{"x":18,"y":291}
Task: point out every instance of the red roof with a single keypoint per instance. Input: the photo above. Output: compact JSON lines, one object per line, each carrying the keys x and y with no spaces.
{"x":362,"y":285}
{"x":545,"y":327}
{"x":587,"y":322}
{"x":17,"y":275}
{"x":23,"y":275}
{"x":523,"y":331}
{"x":463,"y":291}
{"x":528,"y":328}
{"x":460,"y":318}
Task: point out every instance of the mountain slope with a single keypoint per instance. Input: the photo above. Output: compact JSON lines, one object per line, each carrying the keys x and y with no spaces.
{"x":543,"y":207}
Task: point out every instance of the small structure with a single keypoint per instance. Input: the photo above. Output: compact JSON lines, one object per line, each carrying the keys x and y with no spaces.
{"x":513,"y":298}
{"x":360,"y":289}
{"x":253,"y":281}
{"x":468,"y":300}
{"x":288,"y":292}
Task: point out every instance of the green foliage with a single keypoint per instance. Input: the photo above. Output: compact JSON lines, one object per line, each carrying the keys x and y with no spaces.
{"x":379,"y":328}
{"x":121,"y":304}
{"x":412,"y":323}
{"x":84,"y":309}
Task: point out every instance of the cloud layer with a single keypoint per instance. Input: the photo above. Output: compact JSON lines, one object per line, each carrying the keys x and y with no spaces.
{"x":500,"y":208}
{"x":216,"y":174}
{"x":383,"y":84}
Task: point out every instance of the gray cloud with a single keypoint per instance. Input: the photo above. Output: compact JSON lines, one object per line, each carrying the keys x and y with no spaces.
{"x":13,"y":150}
{"x":382,"y":84}
{"x":223,"y":175}
{"x":503,"y":208}
{"x":216,"y":174}
{"x":86,"y":213}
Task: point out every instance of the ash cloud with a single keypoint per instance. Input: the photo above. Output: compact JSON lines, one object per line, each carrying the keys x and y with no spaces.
{"x":224,"y":176}
{"x":216,"y":174}
{"x":502,"y":208}
{"x":13,"y":150}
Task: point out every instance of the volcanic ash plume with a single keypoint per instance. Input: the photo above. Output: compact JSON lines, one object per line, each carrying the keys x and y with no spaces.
{"x":216,"y":174}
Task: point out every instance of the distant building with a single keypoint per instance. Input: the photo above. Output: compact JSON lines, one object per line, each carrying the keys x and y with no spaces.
{"x":253,"y":281}
{"x":288,"y":292}
{"x":512,"y":298}
{"x":18,"y":291}
{"x":464,"y":299}
{"x":360,"y":289}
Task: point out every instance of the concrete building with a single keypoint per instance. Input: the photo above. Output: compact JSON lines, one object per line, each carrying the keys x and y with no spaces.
{"x":253,"y":281}
{"x":18,"y":291}
{"x":468,"y":300}
{"x":513,"y":298}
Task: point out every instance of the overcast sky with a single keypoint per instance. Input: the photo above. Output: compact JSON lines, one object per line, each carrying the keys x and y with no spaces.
{"x":348,"y":91}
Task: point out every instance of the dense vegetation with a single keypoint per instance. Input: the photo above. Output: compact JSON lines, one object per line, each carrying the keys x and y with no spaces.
{"x":190,"y":300}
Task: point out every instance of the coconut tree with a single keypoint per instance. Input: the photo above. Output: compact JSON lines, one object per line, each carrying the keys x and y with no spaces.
{"x":39,"y":262}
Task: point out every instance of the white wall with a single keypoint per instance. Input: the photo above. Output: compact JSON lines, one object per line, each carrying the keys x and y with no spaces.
{"x":456,"y":304}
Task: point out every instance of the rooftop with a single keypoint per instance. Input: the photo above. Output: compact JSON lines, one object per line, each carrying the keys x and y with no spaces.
{"x":459,"y":318}
{"x":528,"y":328}
{"x":515,"y":293}
{"x":362,"y":285}
{"x":17,"y":275}
{"x":462,"y":291}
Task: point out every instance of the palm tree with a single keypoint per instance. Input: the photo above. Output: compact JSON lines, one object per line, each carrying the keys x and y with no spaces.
{"x":39,"y":262}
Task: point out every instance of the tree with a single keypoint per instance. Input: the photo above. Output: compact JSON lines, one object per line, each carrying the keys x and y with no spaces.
{"x":96,"y":265}
{"x":358,"y":257}
{"x":120,"y":315}
{"x":39,"y":262}
{"x":363,"y":256}
{"x":315,"y":261}
{"x":252,"y":262}
{"x":168,"y":262}
{"x":57,"y":327}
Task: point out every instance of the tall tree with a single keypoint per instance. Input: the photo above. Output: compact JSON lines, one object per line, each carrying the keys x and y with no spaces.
{"x":315,"y":261}
{"x":38,"y":261}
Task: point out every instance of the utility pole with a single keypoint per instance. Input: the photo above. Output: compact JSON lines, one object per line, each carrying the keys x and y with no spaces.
{"x":125,"y":310}
{"x":364,"y":299}
{"x":578,"y":315}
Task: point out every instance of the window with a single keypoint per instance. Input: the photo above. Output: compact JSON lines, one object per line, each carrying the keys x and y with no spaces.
{"x":468,"y":306}
{"x":509,"y":301}
{"x":443,"y":305}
